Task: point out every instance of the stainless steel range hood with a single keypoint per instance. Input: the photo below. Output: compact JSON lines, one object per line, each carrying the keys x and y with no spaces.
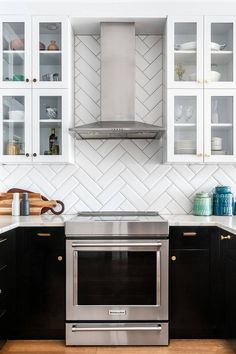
{"x":117,"y":89}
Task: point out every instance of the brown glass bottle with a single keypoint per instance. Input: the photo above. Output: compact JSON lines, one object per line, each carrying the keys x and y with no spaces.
{"x":52,"y":139}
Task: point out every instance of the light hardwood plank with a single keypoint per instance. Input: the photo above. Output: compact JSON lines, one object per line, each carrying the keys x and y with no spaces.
{"x":183,"y":346}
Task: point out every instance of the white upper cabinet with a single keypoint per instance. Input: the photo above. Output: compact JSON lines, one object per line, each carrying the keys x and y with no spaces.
{"x":15,"y":51}
{"x":219,"y":52}
{"x":184,"y":52}
{"x":185,"y":125}
{"x":50,"y":52}
{"x":34,"y":52}
{"x":219,"y":125}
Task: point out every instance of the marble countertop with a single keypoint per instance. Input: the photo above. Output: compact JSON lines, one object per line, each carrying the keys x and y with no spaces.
{"x":7,"y":223}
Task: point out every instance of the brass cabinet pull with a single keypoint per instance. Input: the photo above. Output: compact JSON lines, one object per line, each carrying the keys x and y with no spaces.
{"x":173,"y":258}
{"x":59,"y":258}
{"x":41,"y":234}
{"x":228,"y":237}
{"x":3,"y":240}
{"x":199,"y":155}
{"x":190,"y":234}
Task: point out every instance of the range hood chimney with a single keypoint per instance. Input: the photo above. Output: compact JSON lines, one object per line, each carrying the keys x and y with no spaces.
{"x":117,"y":89}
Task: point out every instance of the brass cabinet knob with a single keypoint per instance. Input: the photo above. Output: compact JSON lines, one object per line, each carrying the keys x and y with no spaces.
{"x":199,"y":155}
{"x":173,"y":258}
{"x":59,"y":258}
{"x":228,"y":237}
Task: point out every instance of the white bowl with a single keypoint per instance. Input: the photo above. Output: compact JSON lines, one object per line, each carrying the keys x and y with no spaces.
{"x":217,"y":46}
{"x":215,"y":76}
{"x":16,"y":115}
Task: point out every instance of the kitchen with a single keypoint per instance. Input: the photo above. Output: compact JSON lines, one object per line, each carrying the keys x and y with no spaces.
{"x":117,"y":124}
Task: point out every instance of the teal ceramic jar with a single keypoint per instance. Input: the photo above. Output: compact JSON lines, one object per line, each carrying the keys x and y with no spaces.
{"x":202,"y":204}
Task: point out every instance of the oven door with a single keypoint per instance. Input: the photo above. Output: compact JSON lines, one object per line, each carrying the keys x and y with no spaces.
{"x":116,"y":280}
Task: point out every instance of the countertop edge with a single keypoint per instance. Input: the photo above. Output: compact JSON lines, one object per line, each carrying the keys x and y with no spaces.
{"x":227,"y":223}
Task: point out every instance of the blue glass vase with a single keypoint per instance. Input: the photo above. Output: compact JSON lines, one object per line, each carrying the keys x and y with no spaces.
{"x":223,"y":201}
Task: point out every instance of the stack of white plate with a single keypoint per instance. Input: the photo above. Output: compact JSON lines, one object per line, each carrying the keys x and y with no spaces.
{"x":185,"y":147}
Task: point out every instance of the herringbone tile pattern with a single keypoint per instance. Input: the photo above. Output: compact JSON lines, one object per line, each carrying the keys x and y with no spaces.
{"x":121,"y":175}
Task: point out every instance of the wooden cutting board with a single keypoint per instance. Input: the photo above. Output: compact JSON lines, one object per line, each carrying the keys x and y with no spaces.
{"x":35,"y":199}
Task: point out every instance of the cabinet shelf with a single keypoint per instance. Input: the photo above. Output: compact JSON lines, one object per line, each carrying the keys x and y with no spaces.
{"x":50,"y":124}
{"x":13,"y":51}
{"x":221,"y":125}
{"x":50,"y":51}
{"x":187,"y":125}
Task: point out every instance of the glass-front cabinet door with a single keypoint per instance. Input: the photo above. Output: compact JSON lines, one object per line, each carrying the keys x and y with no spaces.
{"x":15,"y":49}
{"x":184,"y":53}
{"x":219,"y":126}
{"x":185,"y":126}
{"x":15,"y":125}
{"x":219,"y":52}
{"x":50,"y":43}
{"x":50,"y":126}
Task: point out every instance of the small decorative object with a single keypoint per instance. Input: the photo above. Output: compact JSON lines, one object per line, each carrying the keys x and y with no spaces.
{"x":42,"y":46}
{"x":202,"y":204}
{"x":53,"y":46}
{"x":223,"y":201}
{"x":215,"y":114}
{"x":51,"y":112}
{"x":216,"y":143}
{"x":179,"y":69}
{"x":17,"y":44}
{"x":178,"y":112}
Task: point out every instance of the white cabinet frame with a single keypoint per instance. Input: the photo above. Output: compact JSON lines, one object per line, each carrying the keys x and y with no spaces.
{"x":27,"y":52}
{"x":65,"y":39}
{"x":207,"y":127}
{"x":65,"y":137}
{"x":27,"y":127}
{"x":171,"y":156}
{"x":208,"y":20}
{"x":170,"y":55}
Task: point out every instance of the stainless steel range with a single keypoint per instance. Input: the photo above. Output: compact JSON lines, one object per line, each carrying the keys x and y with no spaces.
{"x":117,"y":279}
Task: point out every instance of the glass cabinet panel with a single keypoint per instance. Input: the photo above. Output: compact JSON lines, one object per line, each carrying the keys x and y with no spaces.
{"x":13,"y":51}
{"x":185,"y":111}
{"x":222,"y":112}
{"x":185,"y":50}
{"x":13,"y":125}
{"x":221,"y":52}
{"x":50,"y":47}
{"x":50,"y":125}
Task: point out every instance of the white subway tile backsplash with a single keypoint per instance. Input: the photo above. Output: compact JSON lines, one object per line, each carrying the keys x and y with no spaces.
{"x":116,"y":174}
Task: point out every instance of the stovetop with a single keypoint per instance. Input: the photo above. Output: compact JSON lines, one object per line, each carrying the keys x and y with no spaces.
{"x":113,"y":223}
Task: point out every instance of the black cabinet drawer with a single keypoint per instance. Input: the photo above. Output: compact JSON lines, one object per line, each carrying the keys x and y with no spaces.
{"x":3,"y":250}
{"x":189,"y":237}
{"x":46,"y":238}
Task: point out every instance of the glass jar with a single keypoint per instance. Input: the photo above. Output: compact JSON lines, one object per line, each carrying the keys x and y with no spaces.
{"x":223,"y":201}
{"x":202,"y":204}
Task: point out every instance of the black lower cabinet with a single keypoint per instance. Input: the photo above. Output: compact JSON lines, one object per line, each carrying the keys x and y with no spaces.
{"x":191,"y":308}
{"x":40,"y":284}
{"x":228,"y":280}
{"x":7,"y":283}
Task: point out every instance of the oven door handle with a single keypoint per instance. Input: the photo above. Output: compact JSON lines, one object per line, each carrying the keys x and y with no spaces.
{"x":120,"y":244}
{"x":114,"y":328}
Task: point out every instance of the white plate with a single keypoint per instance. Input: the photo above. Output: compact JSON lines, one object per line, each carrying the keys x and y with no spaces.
{"x":217,"y":46}
{"x":219,"y":152}
{"x":186,"y":46}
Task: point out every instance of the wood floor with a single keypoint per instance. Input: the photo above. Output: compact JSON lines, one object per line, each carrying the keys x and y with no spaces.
{"x":176,"y":347}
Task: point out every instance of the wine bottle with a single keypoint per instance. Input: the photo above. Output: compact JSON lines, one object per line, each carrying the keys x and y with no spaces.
{"x":52,"y":139}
